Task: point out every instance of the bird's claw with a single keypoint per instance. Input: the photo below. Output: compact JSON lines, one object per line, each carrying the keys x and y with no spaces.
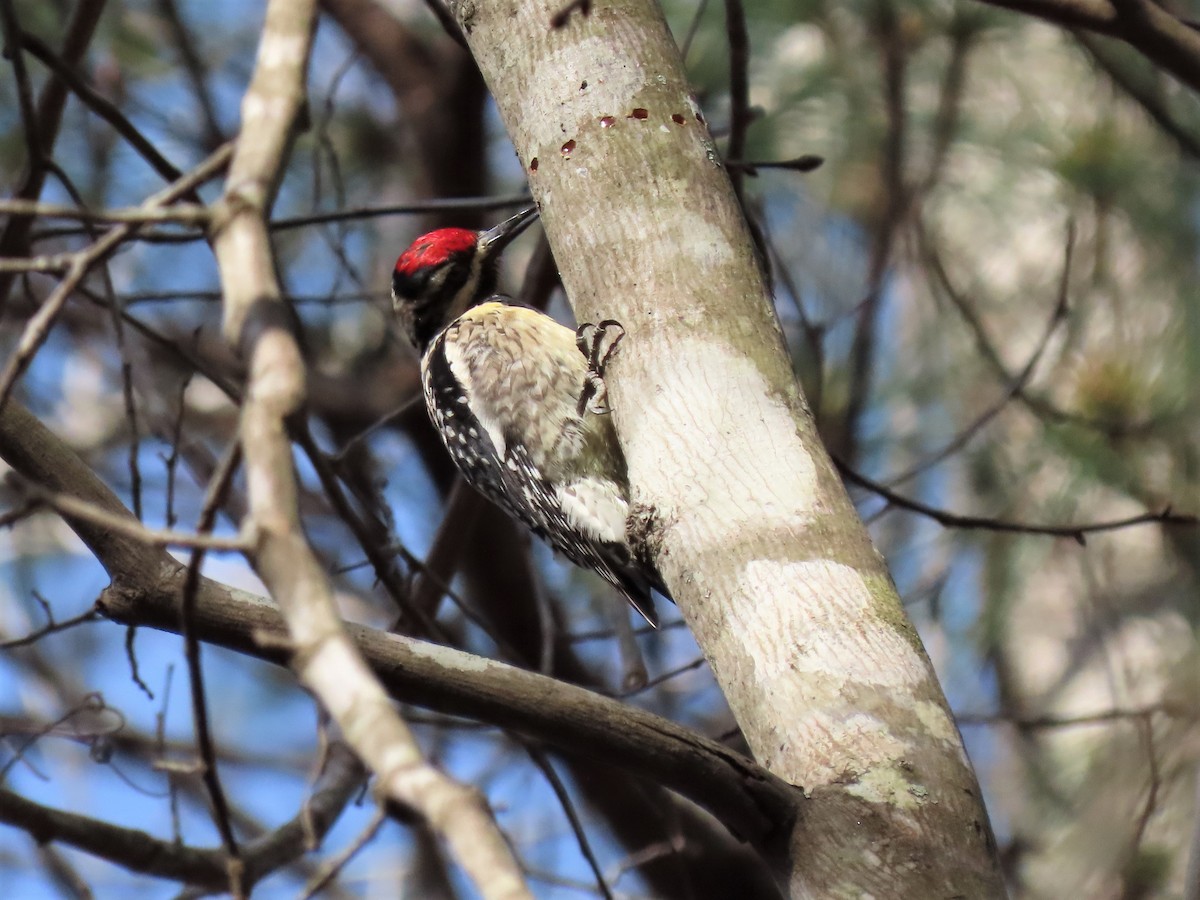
{"x":597,"y":343}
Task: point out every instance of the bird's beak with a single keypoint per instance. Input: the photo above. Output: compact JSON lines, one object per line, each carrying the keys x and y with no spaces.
{"x":499,"y":236}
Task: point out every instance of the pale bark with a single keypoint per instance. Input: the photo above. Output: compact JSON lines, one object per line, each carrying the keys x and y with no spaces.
{"x":324,"y":657}
{"x":752,"y":529}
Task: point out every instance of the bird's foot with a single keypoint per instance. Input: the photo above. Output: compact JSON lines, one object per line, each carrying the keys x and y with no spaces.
{"x":597,"y":343}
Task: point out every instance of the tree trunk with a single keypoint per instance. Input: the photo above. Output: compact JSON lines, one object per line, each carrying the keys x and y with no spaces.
{"x":750,"y":524}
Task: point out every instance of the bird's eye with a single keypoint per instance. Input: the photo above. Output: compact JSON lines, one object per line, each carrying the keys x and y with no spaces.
{"x":422,"y":282}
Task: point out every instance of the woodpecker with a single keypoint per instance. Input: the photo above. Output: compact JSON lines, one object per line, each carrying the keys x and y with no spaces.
{"x":519,"y":402}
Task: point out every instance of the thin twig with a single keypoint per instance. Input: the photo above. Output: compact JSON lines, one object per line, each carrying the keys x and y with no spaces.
{"x":385,"y":571}
{"x":1169,"y":42}
{"x":448,"y":22}
{"x":452,"y":204}
{"x":171,"y":460}
{"x":361,"y":213}
{"x":193,"y":65}
{"x":104,"y":108}
{"x":607,"y":634}
{"x":335,"y":865}
{"x":1057,"y":316}
{"x":49,"y":264}
{"x":50,"y":628}
{"x":131,"y":658}
{"x":460,"y":513}
{"x":1033,"y":722}
{"x":90,"y":703}
{"x":964,"y":29}
{"x":889,"y":217}
{"x":114,"y":309}
{"x":739,"y":87}
{"x":217,"y":488}
{"x":542,"y":761}
{"x":38,"y":328}
{"x":1146,"y":731}
{"x":14,"y":239}
{"x":1038,"y":405}
{"x":693,"y":27}
{"x":180,"y":213}
{"x":160,"y":753}
{"x":63,"y":873}
{"x":201,"y":868}
{"x":353,"y":444}
{"x":74,"y":508}
{"x":980,"y":523}
{"x":664,"y":677}
{"x":414,"y":562}
{"x":1151,"y":93}
{"x":808,"y":162}
{"x":13,"y":52}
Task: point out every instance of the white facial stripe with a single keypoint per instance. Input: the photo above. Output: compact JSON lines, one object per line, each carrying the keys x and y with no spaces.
{"x":465,"y":296}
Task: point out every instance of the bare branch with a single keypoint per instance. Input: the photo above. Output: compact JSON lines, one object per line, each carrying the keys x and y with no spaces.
{"x":946,"y":519}
{"x":14,"y":239}
{"x":194,"y":67}
{"x":352,"y":214}
{"x":740,"y":793}
{"x":1159,"y":35}
{"x":542,"y":761}
{"x":72,"y":508}
{"x":50,"y":628}
{"x":100,"y":105}
{"x":38,"y":327}
{"x":218,"y":486}
{"x":740,"y":116}
{"x":1097,"y":718}
{"x":330,"y":871}
{"x":205,"y":868}
{"x":145,"y":591}
{"x":182,"y":213}
{"x":256,"y":321}
{"x":1014,"y":389}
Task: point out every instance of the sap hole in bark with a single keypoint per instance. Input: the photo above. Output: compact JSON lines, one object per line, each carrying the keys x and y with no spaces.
{"x":607,"y":121}
{"x":638,"y":113}
{"x":583,"y":85}
{"x":677,"y":118}
{"x":533,"y":164}
{"x":567,"y":148}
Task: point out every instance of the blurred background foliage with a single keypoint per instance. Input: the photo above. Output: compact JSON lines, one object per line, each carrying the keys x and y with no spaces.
{"x":989,"y":290}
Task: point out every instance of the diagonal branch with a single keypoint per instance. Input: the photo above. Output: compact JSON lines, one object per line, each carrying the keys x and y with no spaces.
{"x":946,"y":519}
{"x":257,"y":321}
{"x":38,"y":328}
{"x":1164,"y":39}
{"x":146,"y":592}
{"x":14,"y":238}
{"x":138,"y":851}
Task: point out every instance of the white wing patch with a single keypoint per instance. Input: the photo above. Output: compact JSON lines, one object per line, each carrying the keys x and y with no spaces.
{"x":595,"y":508}
{"x":462,"y":374}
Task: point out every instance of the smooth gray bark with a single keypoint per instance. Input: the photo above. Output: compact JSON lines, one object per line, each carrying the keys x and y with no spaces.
{"x":750,"y":524}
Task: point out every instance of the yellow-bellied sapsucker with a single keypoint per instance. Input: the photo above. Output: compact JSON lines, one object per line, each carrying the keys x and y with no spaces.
{"x":519,"y":402}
